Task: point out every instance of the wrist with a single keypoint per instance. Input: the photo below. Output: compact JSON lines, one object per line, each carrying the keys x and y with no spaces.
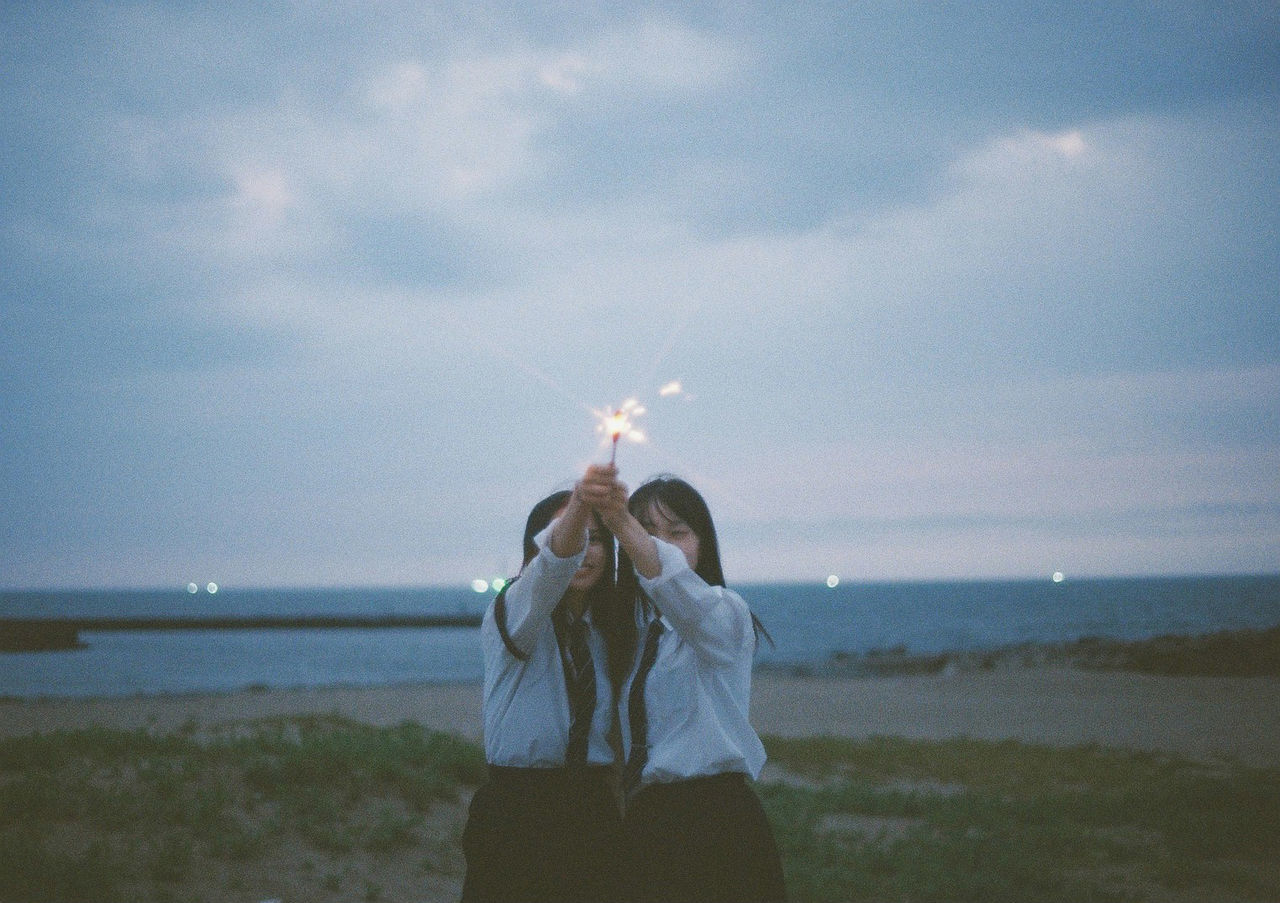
{"x":641,"y":548}
{"x":569,"y":535}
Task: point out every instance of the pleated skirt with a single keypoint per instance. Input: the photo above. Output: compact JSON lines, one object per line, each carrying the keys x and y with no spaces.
{"x":704,"y":839}
{"x":543,"y":835}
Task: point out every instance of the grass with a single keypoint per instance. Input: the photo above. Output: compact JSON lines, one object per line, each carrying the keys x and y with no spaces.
{"x":337,"y":810}
{"x":895,"y":819}
{"x":111,"y":815}
{"x":1226,"y":653}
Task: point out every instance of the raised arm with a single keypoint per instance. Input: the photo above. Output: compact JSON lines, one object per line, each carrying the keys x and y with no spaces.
{"x":603,"y":492}
{"x":530,"y":599}
{"x":569,"y":533}
{"x":546,"y":577}
{"x":713,"y":619}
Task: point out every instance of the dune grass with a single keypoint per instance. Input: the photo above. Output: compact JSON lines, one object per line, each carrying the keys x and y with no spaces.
{"x":107,"y":815}
{"x":339,"y":810}
{"x":895,"y":819}
{"x":1225,"y":653}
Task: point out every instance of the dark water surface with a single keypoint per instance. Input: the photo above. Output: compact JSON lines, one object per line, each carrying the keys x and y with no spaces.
{"x":809,"y":623}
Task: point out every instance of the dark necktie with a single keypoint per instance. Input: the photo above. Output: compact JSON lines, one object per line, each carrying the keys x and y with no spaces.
{"x":637,"y":718}
{"x":580,"y":680}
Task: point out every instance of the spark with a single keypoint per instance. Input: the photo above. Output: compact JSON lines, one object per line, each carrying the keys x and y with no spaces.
{"x":615,"y":424}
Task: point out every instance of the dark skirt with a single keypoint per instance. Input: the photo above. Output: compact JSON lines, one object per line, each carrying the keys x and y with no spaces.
{"x":541,"y":835}
{"x":704,"y":839}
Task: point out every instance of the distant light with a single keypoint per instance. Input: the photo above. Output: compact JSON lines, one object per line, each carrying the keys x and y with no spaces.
{"x":833,"y":581}
{"x":1058,"y":576}
{"x":497,"y":583}
{"x":212,"y":587}
{"x":480,"y":585}
{"x":192,"y":588}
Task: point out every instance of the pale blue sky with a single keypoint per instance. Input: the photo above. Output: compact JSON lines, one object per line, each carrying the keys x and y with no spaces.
{"x":325,"y":294}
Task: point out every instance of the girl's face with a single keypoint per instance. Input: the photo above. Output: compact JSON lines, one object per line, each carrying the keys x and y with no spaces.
{"x":661,"y":523}
{"x":592,"y":568}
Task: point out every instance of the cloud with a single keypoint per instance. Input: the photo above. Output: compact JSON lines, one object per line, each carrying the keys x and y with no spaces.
{"x":427,"y":150}
{"x":920,"y":294}
{"x":263,"y":194}
{"x":1026,"y":155}
{"x":665,"y":56}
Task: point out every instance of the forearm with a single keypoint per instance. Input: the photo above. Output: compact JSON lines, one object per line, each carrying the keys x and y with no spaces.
{"x":639,"y":546}
{"x":569,"y":535}
{"x":713,"y":619}
{"x":542,"y":582}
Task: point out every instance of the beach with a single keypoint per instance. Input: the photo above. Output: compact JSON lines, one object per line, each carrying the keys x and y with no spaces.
{"x":1195,"y":717}
{"x":378,"y":847}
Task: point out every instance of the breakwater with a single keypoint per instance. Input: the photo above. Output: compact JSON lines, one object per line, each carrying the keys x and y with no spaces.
{"x":46,"y":634}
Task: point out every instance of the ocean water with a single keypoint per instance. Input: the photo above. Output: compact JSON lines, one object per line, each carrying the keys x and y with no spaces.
{"x":808,"y":622}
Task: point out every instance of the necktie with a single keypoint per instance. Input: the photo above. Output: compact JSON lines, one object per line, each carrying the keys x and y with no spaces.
{"x":580,"y":680}
{"x":639,"y":722}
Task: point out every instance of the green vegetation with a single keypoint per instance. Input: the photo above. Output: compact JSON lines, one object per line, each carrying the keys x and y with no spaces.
{"x":110,"y":815}
{"x":1226,"y":653}
{"x":345,"y":811}
{"x":894,"y":819}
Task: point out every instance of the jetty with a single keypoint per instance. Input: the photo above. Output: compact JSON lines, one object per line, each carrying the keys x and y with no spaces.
{"x":46,"y":634}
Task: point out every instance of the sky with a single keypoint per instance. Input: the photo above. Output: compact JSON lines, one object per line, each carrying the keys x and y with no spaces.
{"x":328,"y":294}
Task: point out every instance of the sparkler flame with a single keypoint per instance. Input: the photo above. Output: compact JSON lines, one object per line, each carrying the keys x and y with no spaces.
{"x":616,"y":424}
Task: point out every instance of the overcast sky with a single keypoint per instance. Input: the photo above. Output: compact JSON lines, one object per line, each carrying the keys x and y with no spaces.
{"x":326,"y":293}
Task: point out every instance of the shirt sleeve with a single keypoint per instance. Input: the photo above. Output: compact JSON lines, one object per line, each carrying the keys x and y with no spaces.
{"x":541,"y":586}
{"x":713,"y":619}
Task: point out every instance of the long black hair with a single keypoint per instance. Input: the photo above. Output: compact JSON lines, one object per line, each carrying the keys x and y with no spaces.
{"x":611,"y":619}
{"x":675,"y":497}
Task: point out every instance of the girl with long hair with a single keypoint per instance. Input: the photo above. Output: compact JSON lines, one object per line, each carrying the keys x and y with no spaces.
{"x":545,"y":826}
{"x":693,"y":828}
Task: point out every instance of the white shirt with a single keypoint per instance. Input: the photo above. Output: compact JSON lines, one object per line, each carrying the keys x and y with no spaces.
{"x":698,"y":693}
{"x":526,"y":703}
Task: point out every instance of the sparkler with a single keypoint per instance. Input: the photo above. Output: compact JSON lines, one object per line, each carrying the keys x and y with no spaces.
{"x":616,"y":424}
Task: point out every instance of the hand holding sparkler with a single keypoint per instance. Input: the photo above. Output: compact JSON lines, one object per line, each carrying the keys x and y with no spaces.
{"x":606,"y":495}
{"x":571,"y":525}
{"x":609,"y":500}
{"x":596,"y":491}
{"x":598,"y":487}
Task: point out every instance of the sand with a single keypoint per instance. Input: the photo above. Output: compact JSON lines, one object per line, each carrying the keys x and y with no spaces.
{"x":1197,"y":717}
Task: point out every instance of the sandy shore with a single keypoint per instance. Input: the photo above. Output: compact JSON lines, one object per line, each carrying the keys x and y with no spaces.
{"x":1199,"y":717}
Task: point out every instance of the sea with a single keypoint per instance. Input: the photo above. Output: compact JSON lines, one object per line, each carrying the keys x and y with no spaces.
{"x":810,"y":623}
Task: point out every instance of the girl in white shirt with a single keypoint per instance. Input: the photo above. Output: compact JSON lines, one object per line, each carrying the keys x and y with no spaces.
{"x":546,"y":824}
{"x":694,"y":829}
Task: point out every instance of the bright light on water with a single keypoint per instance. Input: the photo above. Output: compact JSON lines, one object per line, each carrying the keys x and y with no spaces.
{"x":192,"y":588}
{"x":212,"y":587}
{"x":833,"y":581}
{"x":1058,"y":576}
{"x":480,"y":585}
